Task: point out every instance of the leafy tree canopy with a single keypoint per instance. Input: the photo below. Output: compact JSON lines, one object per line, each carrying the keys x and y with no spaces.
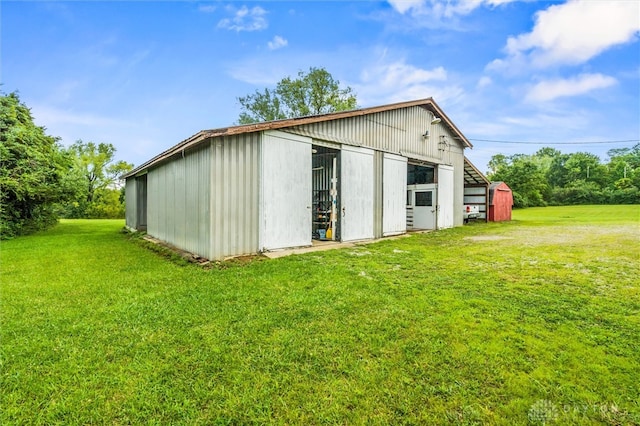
{"x":312,"y":93}
{"x":32,"y":176}
{"x":551,"y":177}
{"x":96,"y":176}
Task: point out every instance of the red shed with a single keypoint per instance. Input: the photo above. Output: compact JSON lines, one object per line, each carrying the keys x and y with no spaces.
{"x":500,"y":202}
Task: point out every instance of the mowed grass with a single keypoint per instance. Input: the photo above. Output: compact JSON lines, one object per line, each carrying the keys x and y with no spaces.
{"x":529,"y":322}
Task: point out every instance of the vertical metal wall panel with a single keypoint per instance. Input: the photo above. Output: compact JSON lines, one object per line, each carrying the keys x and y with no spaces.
{"x":153,"y":202}
{"x":169,"y":202}
{"x":394,"y":212}
{"x":234,"y":202}
{"x":357,"y":186}
{"x":180,"y":201}
{"x":457,"y":161}
{"x":177,"y":202}
{"x":378,"y":193}
{"x":287,"y":191}
{"x":195,"y":210}
{"x":130,"y":197}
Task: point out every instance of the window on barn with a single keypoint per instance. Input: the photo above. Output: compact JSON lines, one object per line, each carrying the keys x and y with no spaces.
{"x":417,"y":175}
{"x":424,"y":198}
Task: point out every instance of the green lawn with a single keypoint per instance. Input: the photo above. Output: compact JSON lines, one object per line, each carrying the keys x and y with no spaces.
{"x":527,"y":322}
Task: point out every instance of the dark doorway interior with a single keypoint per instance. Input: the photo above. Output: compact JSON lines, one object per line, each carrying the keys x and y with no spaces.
{"x":141,"y":202}
{"x":326,"y":190}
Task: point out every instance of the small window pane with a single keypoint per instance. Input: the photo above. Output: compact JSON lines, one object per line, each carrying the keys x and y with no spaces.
{"x":424,"y":198}
{"x":417,"y":175}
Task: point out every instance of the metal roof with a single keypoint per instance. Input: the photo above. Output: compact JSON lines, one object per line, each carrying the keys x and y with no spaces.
{"x":428,"y":104}
{"x":473,"y":176}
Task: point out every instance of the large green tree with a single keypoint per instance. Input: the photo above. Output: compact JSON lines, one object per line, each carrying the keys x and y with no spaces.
{"x":33,"y":171}
{"x":96,"y":176}
{"x":525,"y":176}
{"x":624,"y":167}
{"x":311,"y":93}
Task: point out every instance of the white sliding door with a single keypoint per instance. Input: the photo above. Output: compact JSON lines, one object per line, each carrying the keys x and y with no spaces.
{"x":445,"y":197}
{"x":286,"y":191}
{"x":394,"y":194}
{"x":356,"y":213}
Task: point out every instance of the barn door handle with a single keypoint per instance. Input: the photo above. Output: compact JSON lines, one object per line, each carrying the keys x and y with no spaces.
{"x":343,"y":212}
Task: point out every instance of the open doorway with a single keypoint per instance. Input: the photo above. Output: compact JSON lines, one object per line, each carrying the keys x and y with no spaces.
{"x":325,"y":224}
{"x":141,"y":202}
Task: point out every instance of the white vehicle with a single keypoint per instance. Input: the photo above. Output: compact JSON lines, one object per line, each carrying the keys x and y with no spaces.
{"x":470,"y":212}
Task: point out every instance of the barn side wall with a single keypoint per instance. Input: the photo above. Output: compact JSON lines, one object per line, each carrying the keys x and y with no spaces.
{"x":178,"y":201}
{"x":131,"y":212}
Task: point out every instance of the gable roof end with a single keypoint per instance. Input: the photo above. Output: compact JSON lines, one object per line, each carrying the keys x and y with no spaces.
{"x":428,"y":104}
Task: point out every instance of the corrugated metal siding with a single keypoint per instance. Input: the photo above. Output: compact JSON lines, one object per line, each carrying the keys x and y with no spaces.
{"x":398,"y":131}
{"x":178,"y":202}
{"x":196,"y":207}
{"x":235,"y":190}
{"x":379,"y":181}
{"x":131,"y":213}
{"x":457,"y":160}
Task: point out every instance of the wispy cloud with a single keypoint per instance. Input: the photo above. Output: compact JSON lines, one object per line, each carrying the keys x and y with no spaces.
{"x":391,"y":81}
{"x":277,"y":43}
{"x":245,"y":19}
{"x":572,"y":33}
{"x":442,"y":8}
{"x":207,"y":8}
{"x":47,"y":114}
{"x":582,"y":84}
{"x":484,"y":81}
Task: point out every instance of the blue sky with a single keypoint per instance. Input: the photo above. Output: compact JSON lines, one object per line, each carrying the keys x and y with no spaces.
{"x":145,"y":75}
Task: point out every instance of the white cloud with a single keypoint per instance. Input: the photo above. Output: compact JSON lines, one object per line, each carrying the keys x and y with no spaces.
{"x":277,"y":43}
{"x":402,"y":6}
{"x":398,"y":81}
{"x":442,"y":8}
{"x":584,"y":83}
{"x":572,"y":33}
{"x":207,"y":8}
{"x":484,"y":82}
{"x":245,"y":19}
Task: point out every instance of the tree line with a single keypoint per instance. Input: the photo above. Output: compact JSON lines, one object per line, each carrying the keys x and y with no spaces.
{"x":41,"y":181}
{"x":550,"y":177}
